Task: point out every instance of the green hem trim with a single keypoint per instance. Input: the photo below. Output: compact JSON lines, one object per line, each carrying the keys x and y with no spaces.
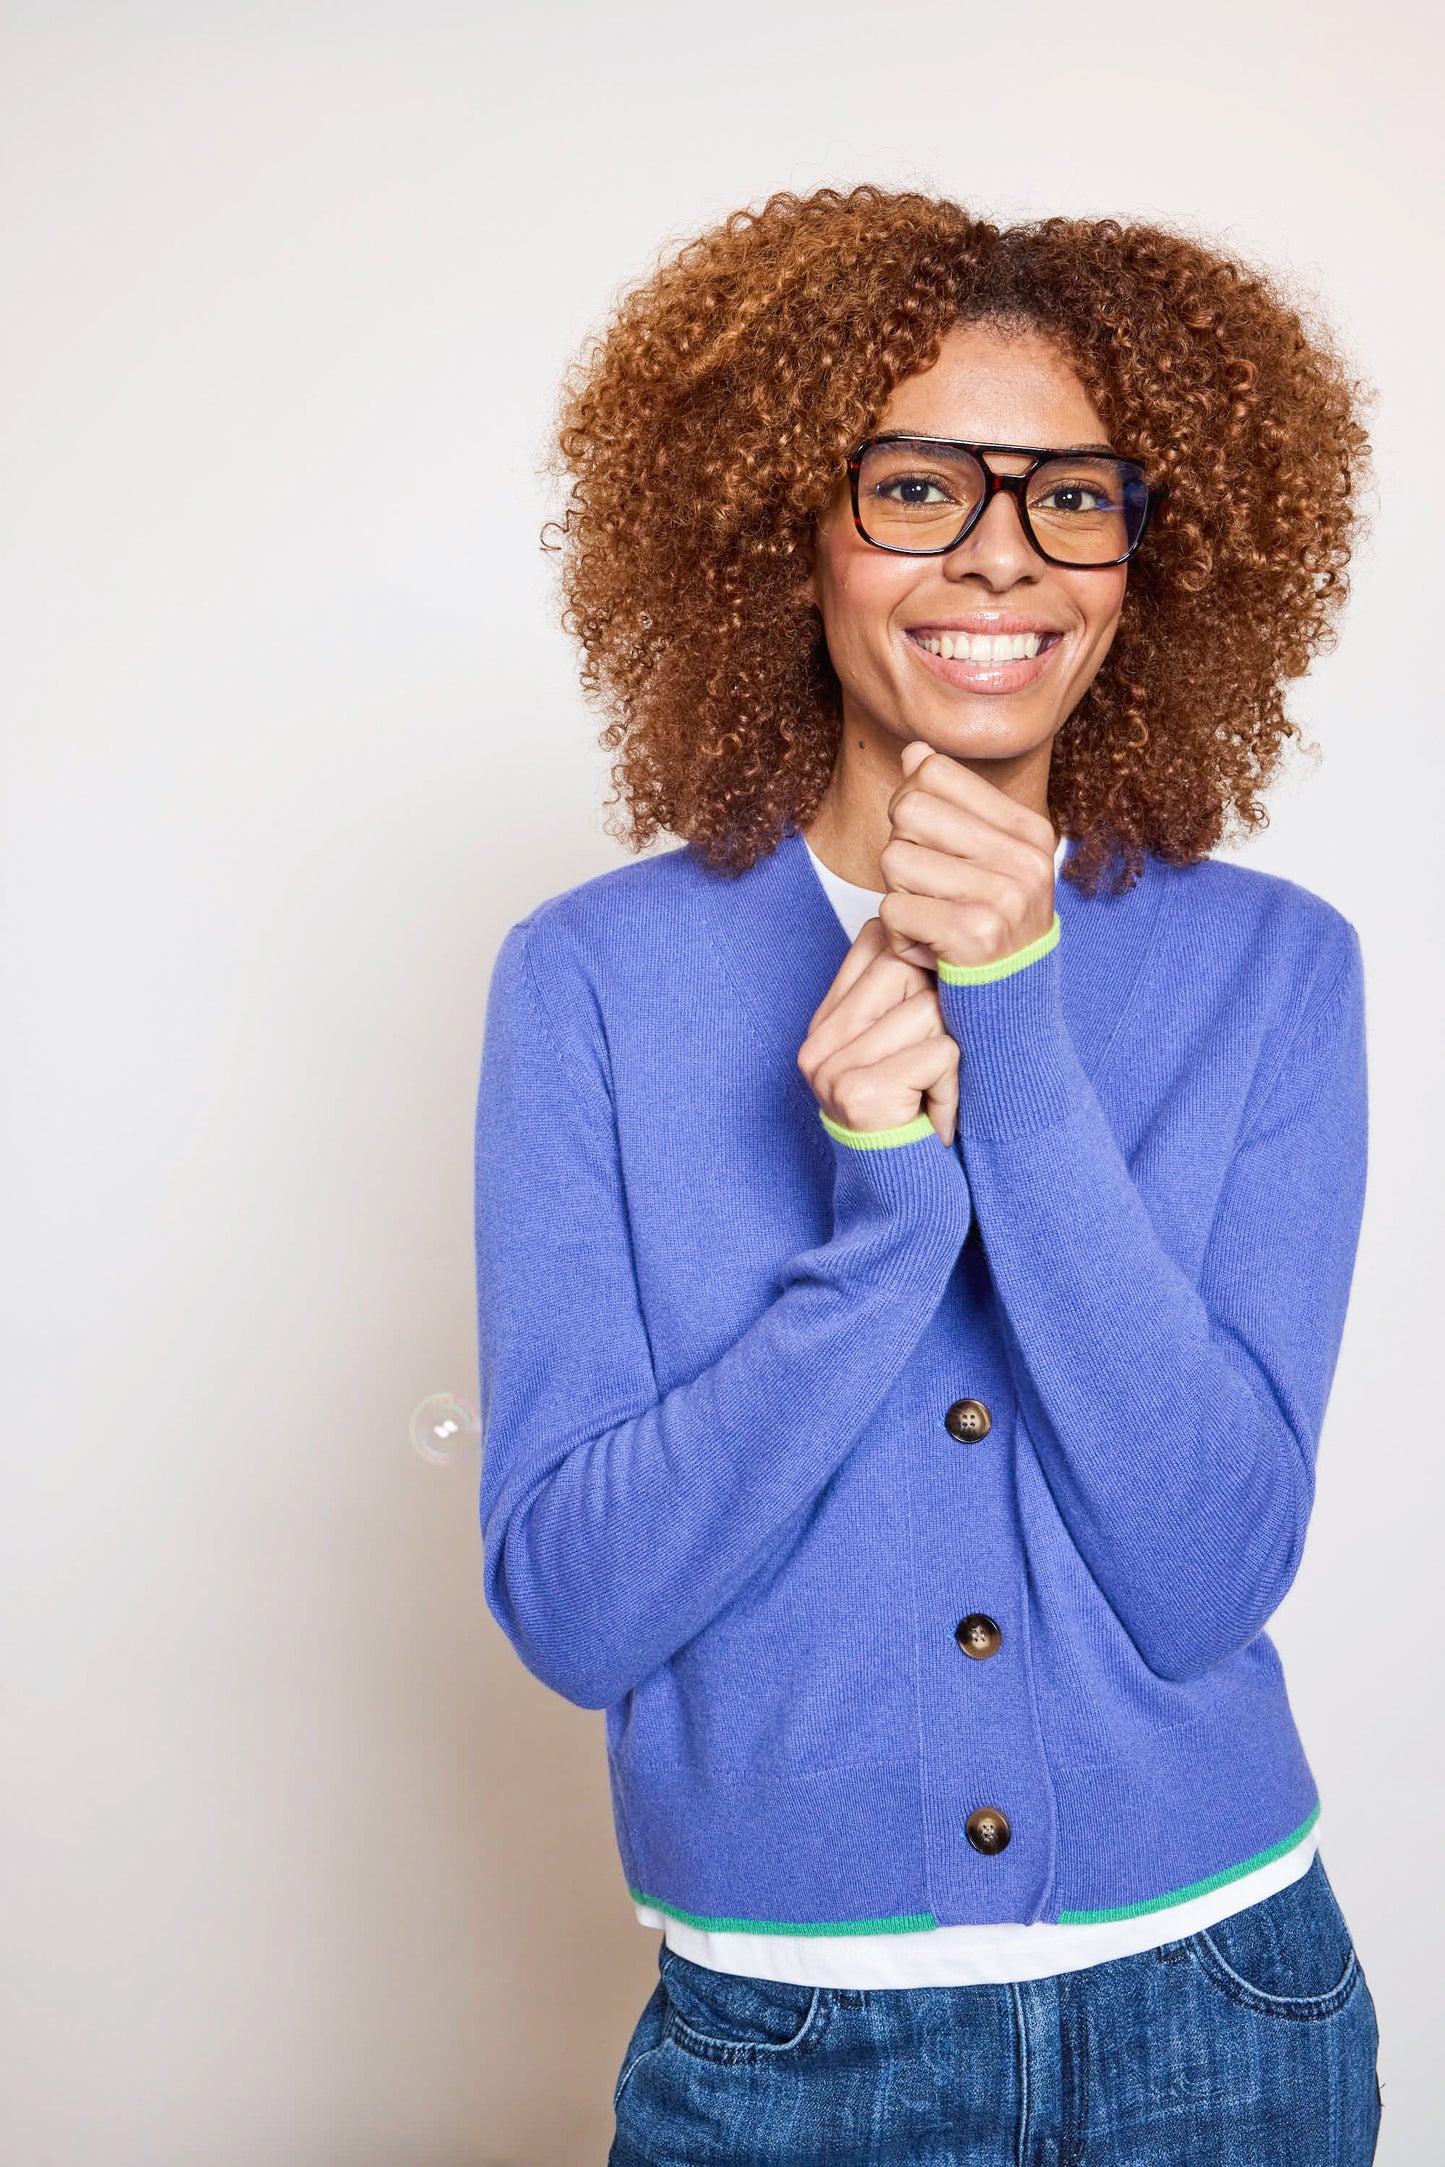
{"x":983,"y":974}
{"x":924,"y":1922}
{"x":878,"y":1139}
{"x":908,"y":1923}
{"x":1195,"y":1888}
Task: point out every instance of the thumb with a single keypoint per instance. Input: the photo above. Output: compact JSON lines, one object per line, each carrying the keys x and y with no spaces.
{"x":914,"y":755}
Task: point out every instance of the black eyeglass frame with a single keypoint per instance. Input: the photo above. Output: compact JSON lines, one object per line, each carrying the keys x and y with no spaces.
{"x":1013,"y":485}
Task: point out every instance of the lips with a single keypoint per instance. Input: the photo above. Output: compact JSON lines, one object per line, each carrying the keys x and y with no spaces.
{"x":998,"y":655}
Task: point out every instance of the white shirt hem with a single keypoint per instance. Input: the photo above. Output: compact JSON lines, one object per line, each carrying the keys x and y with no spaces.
{"x":972,"y":1955}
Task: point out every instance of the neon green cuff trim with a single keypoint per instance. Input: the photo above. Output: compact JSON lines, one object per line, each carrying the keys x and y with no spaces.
{"x":917,"y":1922}
{"x":982,"y":974}
{"x":878,"y":1139}
{"x":1195,"y":1888}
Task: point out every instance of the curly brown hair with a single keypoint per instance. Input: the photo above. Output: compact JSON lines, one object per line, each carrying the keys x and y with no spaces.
{"x":709,"y":425}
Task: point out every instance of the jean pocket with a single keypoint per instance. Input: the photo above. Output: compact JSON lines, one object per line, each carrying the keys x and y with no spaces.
{"x":1290,"y":1956}
{"x":722,"y":2016}
{"x":648,"y":2035}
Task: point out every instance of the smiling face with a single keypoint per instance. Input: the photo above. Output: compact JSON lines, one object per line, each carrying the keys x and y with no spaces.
{"x":905,"y":633}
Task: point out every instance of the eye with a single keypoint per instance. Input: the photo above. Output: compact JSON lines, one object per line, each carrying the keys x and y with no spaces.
{"x":1089,"y":490}
{"x":1077,"y":496}
{"x":915,"y":490}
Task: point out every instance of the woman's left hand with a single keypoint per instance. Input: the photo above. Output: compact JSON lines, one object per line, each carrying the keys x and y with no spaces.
{"x":969,"y":871}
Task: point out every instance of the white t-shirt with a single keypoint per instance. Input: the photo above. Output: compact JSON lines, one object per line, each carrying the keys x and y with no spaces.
{"x":965,"y":1955}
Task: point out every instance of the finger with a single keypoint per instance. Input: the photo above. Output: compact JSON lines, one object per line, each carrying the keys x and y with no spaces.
{"x":962,"y":933}
{"x":919,"y":816}
{"x":835,"y":1047}
{"x":906,"y":1023}
{"x":872,"y":1090}
{"x":914,"y":869}
{"x":958,"y":785}
{"x":870,"y":941}
{"x":909,"y":951}
{"x":880,"y":985}
{"x":941,"y":1103}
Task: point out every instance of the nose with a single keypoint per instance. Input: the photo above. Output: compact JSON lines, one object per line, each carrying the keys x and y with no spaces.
{"x":998,"y":551}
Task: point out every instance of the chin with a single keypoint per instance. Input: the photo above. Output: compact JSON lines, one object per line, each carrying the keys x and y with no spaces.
{"x":978,"y":727}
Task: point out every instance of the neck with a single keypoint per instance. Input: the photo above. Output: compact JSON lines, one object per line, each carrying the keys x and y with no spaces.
{"x":850,"y":827}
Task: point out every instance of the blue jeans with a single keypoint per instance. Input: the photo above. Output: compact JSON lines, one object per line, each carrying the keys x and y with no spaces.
{"x":1249,"y":2045}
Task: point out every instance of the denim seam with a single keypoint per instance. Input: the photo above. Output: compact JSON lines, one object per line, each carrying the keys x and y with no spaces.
{"x":1293,"y":2008}
{"x":734,"y":2054}
{"x":706,"y":2047}
{"x":1073,"y":2072}
{"x":628,"y":2067}
{"x":1022,"y":2037}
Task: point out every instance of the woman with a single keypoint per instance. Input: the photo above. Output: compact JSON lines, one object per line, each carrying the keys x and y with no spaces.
{"x":911,"y":1280}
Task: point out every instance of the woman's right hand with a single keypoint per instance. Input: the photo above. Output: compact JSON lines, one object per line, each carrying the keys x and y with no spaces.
{"x":877,"y":1053}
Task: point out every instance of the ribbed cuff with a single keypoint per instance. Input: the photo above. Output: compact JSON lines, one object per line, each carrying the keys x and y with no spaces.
{"x":1017,"y":1068}
{"x":877,"y":1139}
{"x":983,"y":974}
{"x":905,"y":1174}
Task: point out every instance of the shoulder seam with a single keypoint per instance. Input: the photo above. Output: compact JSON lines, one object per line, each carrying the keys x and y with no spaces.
{"x":544,"y":1007}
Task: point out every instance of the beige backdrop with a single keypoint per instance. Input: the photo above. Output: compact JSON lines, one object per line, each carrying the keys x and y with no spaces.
{"x":301,"y":1868}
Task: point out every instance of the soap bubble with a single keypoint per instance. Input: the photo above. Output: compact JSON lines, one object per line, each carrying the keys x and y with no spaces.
{"x":444,"y":1428}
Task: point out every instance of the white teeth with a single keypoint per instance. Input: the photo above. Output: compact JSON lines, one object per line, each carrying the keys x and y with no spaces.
{"x":983,"y":646}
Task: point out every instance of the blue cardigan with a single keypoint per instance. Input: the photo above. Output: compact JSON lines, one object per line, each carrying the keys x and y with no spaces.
{"x":718,"y":1343}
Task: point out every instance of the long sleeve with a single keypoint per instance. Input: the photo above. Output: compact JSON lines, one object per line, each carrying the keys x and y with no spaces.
{"x":619,"y":1521}
{"x":1176,"y":1415}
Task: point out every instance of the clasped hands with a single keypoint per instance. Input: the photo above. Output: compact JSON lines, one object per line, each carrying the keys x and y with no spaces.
{"x":969,"y":878}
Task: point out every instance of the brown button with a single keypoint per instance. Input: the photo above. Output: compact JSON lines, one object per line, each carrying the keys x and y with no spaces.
{"x":968,"y":1421}
{"x":978,"y":1636}
{"x":987,"y":1830}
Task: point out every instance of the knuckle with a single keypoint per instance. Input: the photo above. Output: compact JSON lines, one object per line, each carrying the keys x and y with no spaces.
{"x":1011,"y":904}
{"x":1035,"y":857}
{"x":856,"y":1094}
{"x":828,"y":1077}
{"x":988,"y":921}
{"x":906,"y":810}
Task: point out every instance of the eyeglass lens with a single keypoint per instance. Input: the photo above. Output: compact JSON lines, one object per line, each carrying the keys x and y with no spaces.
{"x":1083,"y":509}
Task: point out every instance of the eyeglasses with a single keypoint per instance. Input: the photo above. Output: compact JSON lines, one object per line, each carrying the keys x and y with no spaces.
{"x":920,"y":496}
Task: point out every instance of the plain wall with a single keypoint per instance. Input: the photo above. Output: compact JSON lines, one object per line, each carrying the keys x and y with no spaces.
{"x":300,"y":1866}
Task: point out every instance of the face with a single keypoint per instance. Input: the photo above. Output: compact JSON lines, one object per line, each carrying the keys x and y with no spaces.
{"x":886,"y":617}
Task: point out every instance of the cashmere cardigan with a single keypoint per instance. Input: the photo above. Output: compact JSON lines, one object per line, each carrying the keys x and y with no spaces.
{"x":718,"y":1336}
